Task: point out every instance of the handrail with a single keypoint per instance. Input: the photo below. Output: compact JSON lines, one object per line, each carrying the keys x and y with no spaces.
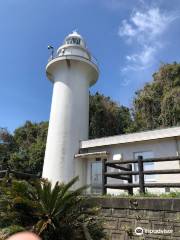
{"x":56,"y":55}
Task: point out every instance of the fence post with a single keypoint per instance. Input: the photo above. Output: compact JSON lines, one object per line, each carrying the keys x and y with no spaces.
{"x":141,"y":174}
{"x":8,"y":172}
{"x":130,"y":190}
{"x":104,"y":178}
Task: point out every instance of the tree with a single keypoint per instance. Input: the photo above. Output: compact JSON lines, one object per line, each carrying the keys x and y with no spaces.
{"x":53,"y":212}
{"x":30,"y":141}
{"x":7,"y":146}
{"x":158,"y":103}
{"x":170,"y":108}
{"x":107,"y":117}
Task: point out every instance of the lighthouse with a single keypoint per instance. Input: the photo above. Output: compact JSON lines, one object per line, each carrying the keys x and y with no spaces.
{"x":72,"y":70}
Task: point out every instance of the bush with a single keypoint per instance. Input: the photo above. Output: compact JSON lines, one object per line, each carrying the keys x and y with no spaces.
{"x":51,"y":212}
{"x":8,"y":231}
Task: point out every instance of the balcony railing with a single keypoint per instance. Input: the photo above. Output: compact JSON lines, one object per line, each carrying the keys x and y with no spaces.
{"x":56,"y":55}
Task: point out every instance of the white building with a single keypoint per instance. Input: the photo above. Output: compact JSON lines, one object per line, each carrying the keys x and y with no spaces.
{"x":69,"y":153}
{"x":149,"y":144}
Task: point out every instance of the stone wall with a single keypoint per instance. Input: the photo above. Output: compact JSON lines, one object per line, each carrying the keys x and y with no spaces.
{"x":123,"y":215}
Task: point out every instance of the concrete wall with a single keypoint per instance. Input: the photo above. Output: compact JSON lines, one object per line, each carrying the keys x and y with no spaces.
{"x":160,"y":148}
{"x":122,"y":216}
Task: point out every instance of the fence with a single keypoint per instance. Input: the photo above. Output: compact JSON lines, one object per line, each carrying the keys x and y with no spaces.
{"x":7,"y":172}
{"x":126,"y":173}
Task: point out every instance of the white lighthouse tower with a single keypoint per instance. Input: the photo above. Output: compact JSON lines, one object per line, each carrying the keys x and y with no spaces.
{"x":72,"y":71}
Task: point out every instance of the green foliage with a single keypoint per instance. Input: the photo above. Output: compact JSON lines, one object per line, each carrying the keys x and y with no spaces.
{"x":30,"y":141}
{"x":53,"y":212}
{"x":95,"y":228}
{"x":158,"y":103}
{"x":8,"y":231}
{"x":6,"y":146}
{"x":15,"y":204}
{"x":170,"y":108}
{"x":60,"y":212}
{"x":172,"y":194}
{"x":107,"y":117}
{"x":55,"y":204}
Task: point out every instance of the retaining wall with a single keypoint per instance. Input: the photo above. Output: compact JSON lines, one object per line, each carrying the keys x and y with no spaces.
{"x":123,"y":215}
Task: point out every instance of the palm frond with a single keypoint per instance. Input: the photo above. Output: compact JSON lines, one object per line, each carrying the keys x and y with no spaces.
{"x":67,"y":186}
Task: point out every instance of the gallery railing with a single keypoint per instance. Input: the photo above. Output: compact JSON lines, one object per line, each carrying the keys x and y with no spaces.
{"x":126,"y":173}
{"x":56,"y":55}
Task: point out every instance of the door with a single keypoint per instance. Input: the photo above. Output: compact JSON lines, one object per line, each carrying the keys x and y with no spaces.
{"x":96,"y":177}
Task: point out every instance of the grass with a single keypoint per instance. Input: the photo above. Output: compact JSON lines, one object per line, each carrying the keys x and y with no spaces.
{"x":173,"y":194}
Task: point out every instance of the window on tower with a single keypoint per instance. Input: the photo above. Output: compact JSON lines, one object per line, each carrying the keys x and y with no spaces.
{"x":73,"y":40}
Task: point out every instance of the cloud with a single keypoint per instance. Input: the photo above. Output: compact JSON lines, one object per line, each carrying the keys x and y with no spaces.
{"x":140,"y":61}
{"x":144,"y":30}
{"x":150,"y":24}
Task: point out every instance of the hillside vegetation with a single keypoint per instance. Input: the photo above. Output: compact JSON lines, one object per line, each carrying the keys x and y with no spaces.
{"x":156,"y":105}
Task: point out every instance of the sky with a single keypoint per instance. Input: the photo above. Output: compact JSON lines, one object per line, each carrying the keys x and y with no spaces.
{"x":129,"y":38}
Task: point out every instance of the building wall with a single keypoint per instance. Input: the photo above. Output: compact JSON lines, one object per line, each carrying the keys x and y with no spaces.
{"x":160,"y":148}
{"x":121,"y":216}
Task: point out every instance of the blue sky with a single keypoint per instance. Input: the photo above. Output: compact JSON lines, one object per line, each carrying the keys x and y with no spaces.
{"x":130,"y":39}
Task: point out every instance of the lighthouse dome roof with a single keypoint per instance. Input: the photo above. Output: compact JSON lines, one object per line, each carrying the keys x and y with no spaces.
{"x":75,"y":38}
